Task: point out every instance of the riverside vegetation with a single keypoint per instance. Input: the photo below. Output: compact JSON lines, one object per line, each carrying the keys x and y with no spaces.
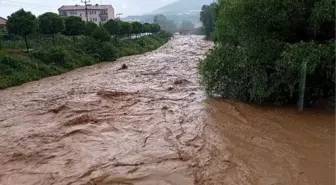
{"x":54,"y":44}
{"x":270,"y":51}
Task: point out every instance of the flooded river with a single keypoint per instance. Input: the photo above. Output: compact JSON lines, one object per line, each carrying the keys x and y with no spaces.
{"x":151,"y":124}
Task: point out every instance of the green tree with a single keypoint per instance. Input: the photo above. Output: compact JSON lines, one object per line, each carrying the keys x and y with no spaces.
{"x":154,"y":28}
{"x":50,"y":23}
{"x":136,"y":28}
{"x":207,"y":17}
{"x":268,"y":51}
{"x":101,"y":34}
{"x":74,"y":26}
{"x":22,"y":23}
{"x":113,"y":26}
{"x":157,"y":28}
{"x":126,"y":28}
{"x":1,"y":37}
{"x":90,"y":27}
{"x":146,"y":28}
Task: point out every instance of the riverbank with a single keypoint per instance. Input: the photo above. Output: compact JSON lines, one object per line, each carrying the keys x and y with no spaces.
{"x":17,"y":67}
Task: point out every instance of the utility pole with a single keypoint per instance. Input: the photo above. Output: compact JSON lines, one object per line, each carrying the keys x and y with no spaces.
{"x":86,"y":10}
{"x":302,"y":85}
{"x":118,"y":15}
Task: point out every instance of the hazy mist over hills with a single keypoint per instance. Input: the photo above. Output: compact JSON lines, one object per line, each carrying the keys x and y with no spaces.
{"x":182,"y":7}
{"x":178,"y":10}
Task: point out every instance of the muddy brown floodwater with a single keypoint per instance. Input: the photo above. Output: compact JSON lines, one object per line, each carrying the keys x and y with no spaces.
{"x":151,"y":124}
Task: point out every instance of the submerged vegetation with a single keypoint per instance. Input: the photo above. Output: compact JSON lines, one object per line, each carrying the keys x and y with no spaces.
{"x":50,"y":45}
{"x":270,"y":51}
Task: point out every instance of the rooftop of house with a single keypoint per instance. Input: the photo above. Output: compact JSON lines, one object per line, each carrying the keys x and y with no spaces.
{"x":3,"y":20}
{"x":82,"y":7}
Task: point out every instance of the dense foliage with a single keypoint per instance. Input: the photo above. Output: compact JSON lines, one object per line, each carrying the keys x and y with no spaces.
{"x":74,"y":26}
{"x":207,"y":17}
{"x":93,"y":44}
{"x":136,"y":28}
{"x":50,"y":24}
{"x":125,"y":29}
{"x":113,"y":26}
{"x":146,"y":27}
{"x":22,"y":23}
{"x":101,"y":34}
{"x":89,"y":28}
{"x":272,"y":51}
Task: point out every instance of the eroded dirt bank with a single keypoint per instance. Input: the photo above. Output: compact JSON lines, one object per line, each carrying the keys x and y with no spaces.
{"x":151,"y":124}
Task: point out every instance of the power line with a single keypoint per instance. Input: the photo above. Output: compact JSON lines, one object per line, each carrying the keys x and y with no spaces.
{"x":86,"y":10}
{"x":22,"y":3}
{"x":11,"y":2}
{"x":0,"y":6}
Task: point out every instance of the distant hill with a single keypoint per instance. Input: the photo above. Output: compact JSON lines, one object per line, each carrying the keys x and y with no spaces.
{"x":177,"y":11}
{"x":182,"y":7}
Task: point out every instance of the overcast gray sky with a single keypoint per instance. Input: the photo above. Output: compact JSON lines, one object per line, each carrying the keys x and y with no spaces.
{"x":37,"y":7}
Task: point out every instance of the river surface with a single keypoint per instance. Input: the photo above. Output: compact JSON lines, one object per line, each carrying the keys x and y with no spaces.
{"x":151,"y":124}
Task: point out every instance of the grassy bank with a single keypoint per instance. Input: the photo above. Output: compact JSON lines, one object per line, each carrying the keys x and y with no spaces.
{"x":18,"y":67}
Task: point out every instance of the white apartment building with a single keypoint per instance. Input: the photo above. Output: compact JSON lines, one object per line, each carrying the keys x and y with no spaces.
{"x":96,"y":13}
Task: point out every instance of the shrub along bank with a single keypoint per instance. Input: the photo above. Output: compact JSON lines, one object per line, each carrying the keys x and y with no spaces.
{"x":17,"y":67}
{"x":271,"y":51}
